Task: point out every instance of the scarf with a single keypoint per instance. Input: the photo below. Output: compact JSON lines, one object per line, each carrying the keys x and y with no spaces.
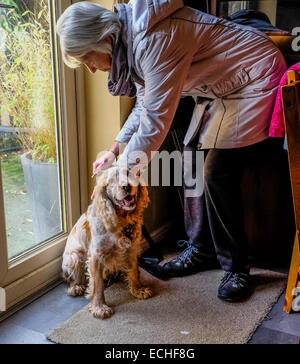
{"x":120,"y":82}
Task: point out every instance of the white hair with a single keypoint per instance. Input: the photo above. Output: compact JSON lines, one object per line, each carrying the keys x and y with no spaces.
{"x":84,"y":27}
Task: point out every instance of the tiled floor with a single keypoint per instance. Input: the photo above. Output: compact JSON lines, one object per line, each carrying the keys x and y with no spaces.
{"x":279,"y":327}
{"x":32,"y":324}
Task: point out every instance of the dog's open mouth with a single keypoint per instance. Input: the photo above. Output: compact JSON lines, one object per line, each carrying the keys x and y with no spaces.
{"x":128,"y":202}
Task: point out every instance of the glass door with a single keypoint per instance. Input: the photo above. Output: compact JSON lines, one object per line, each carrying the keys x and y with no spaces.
{"x":36,"y":145}
{"x":29,"y":144}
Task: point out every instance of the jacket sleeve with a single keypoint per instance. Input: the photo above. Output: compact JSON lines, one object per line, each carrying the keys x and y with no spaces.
{"x":165,"y":65}
{"x":133,"y":122}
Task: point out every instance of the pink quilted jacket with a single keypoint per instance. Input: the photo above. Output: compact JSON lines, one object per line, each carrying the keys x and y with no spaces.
{"x":277,"y":122}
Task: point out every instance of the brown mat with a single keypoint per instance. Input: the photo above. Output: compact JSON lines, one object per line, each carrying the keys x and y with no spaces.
{"x":183,"y":311}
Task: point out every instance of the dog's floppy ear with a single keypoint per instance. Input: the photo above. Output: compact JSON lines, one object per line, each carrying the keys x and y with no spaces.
{"x":105,"y":207}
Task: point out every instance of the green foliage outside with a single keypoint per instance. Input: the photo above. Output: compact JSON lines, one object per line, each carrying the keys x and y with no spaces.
{"x":19,"y":226}
{"x":26,"y":82}
{"x":18,"y":11}
{"x":6,"y":143}
{"x":12,"y":172}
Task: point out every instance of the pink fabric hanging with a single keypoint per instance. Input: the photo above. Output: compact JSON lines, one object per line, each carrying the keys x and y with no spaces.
{"x":277,"y":122}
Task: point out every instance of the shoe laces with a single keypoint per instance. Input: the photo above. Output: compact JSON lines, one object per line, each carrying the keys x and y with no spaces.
{"x":187,"y":254}
{"x":183,"y":243}
{"x":236,"y":278}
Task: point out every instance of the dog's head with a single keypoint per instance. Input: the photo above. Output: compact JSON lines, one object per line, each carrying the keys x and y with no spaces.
{"x":119,"y":192}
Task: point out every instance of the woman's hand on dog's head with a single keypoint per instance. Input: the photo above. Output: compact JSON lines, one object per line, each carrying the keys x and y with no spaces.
{"x":103,"y":163}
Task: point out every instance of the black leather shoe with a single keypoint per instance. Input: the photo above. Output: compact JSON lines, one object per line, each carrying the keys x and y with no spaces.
{"x":189,"y":261}
{"x":235,"y":287}
{"x":151,"y":265}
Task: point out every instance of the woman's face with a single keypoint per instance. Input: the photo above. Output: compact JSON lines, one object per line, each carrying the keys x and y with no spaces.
{"x":95,"y":61}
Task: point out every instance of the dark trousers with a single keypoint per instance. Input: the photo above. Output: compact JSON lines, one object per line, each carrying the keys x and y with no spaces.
{"x":214,"y":221}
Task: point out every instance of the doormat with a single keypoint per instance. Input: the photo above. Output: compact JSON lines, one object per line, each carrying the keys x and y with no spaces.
{"x":182,"y":311}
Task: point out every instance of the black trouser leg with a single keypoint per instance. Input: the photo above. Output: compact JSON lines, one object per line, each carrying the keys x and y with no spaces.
{"x":223,"y":173}
{"x":195,"y":215}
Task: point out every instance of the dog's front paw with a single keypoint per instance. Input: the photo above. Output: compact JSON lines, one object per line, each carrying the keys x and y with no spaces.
{"x":142,"y":293}
{"x":101,"y":312}
{"x":76,"y":290}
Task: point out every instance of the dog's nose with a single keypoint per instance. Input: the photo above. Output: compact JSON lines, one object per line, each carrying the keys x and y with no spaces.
{"x":129,"y":198}
{"x":127,"y":188}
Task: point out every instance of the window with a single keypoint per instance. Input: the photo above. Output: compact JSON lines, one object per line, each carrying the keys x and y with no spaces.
{"x":39,"y":141}
{"x":30,"y":164}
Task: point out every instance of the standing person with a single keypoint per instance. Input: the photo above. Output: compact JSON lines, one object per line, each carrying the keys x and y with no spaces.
{"x":161,"y":51}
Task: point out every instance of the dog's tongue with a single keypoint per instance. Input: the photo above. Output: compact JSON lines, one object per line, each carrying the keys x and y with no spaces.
{"x":128,"y":203}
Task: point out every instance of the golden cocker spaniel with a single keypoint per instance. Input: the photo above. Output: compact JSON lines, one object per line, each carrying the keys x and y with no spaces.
{"x":107,"y":239}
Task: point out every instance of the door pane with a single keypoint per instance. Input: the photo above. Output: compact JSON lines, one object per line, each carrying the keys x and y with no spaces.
{"x":28,"y":126}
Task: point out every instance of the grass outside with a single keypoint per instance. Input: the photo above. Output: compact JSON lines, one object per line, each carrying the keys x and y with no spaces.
{"x":19,"y":227}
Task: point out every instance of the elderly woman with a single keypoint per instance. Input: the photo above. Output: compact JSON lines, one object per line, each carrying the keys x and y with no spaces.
{"x":160,"y":51}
